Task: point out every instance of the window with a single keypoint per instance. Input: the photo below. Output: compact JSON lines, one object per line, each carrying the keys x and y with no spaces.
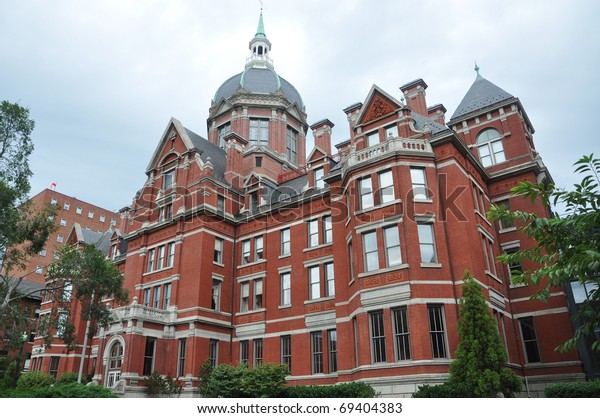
{"x":489,"y":145}
{"x":391,"y":131}
{"x":365,"y":189}
{"x":313,"y":233}
{"x":292,"y":145}
{"x":221,"y":205}
{"x":316,"y":351}
{"x":43,"y":252}
{"x":327,"y":230}
{"x":102,"y":218}
{"x":147,"y":293}
{"x":223,"y":131}
{"x":370,"y":251}
{"x":91,"y":214}
{"x":218,"y":254}
{"x":113,"y":221}
{"x":167,"y":296}
{"x":181,"y":357}
{"x":332,"y":350}
{"x":258,"y":162}
{"x":286,"y":289}
{"x":67,"y":206}
{"x":213,"y":352}
{"x":314,"y":280}
{"x":372,"y":139}
{"x":419,"y":184}
{"x":319,"y":173}
{"x":156,"y":300}
{"x":378,"y":354}
{"x":244,"y":297}
{"x":171,"y":255}
{"x":351,"y":260}
{"x":150,"y":264}
{"x":386,"y":187}
{"x":257,"y":357}
{"x":532,"y":352}
{"x":246,"y":251}
{"x":258,"y":248}
{"x":488,"y":251}
{"x":401,"y":335}
{"x":166,"y":212}
{"x":286,"y":351}
{"x":244,"y":351}
{"x":505,"y":223}
{"x":115,"y":361}
{"x":168,"y":179}
{"x":427,"y":243}
{"x":258,"y":294}
{"x":61,"y":324}
{"x":437,"y":332}
{"x":161,"y":257}
{"x":67,"y":291}
{"x":215,"y":302}
{"x":53,"y":201}
{"x":60,"y":238}
{"x":149,"y":356}
{"x":78,"y":210}
{"x":393,"y":256}
{"x":39,"y":270}
{"x":285,"y":241}
{"x":63,"y":222}
{"x":53,"y":370}
{"x":259,"y":132}
{"x":329,"y":280}
{"x":478,"y":199}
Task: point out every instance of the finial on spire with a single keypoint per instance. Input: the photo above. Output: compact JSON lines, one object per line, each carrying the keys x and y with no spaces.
{"x":477,"y":70}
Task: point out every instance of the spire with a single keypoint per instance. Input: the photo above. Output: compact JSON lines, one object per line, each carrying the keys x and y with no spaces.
{"x":260,"y":31}
{"x":259,"y":47}
{"x":477,"y":71}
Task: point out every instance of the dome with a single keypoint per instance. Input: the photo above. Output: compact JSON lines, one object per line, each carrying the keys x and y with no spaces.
{"x":259,"y":81}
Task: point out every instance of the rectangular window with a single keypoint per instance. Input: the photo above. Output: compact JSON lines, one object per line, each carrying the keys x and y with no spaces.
{"x":329,"y":280}
{"x":244,"y":351}
{"x":244,"y":297}
{"x":259,"y":131}
{"x":246,"y":251}
{"x":67,"y":206}
{"x":286,"y":289}
{"x":365,"y":188}
{"x":292,"y":145}
{"x":221,"y":205}
{"x":372,"y":139}
{"x":67,"y":291}
{"x":171,"y":255}
{"x":332,"y":350}
{"x":39,"y":269}
{"x":218,"y":254}
{"x":351,"y":260}
{"x":313,"y":233}
{"x":181,"y":357}
{"x":516,"y":267}
{"x":102,"y":218}
{"x":156,"y":300}
{"x":63,"y":222}
{"x":532,"y":351}
{"x":505,"y":223}
{"x":53,"y":370}
{"x":91,"y":214}
{"x":378,"y":354}
{"x":419,"y":183}
{"x":258,"y":294}
{"x":319,"y":173}
{"x":437,"y":331}
{"x":386,"y":187}
{"x":166,"y":212}
{"x":223,"y":131}
{"x":327,"y":230}
{"x":147,"y":293}
{"x":488,"y":250}
{"x":215,"y":302}
{"x":78,"y":210}
{"x":61,"y":324}
{"x":393,"y":256}
{"x":168,"y":179}
{"x":316,"y":350}
{"x":314,"y":288}
{"x":258,"y":248}
{"x":370,"y":251}
{"x":161,"y":257}
{"x":149,"y":356}
{"x":286,"y":351}
{"x":285,"y":242}
{"x":258,"y":162}
{"x":257,"y":357}
{"x":401,"y":334}
{"x":213,"y":352}
{"x":391,"y":131}
{"x":150,"y":263}
{"x":427,"y":243}
{"x":167,"y":296}
{"x":60,"y":238}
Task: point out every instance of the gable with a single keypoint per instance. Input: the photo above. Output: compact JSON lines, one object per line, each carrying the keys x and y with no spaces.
{"x":377,"y":105}
{"x":174,"y":139}
{"x":315,"y":155}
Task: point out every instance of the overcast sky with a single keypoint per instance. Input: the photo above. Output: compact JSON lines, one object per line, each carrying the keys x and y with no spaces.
{"x":103,"y":78}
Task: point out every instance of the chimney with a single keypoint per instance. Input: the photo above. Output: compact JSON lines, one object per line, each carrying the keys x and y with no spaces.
{"x":437,"y":113}
{"x":322,"y":134}
{"x":233,"y":167}
{"x":414,"y":93}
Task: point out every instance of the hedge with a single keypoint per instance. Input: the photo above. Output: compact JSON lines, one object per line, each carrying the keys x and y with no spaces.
{"x":589,"y":389}
{"x":343,"y":390}
{"x":70,"y":390}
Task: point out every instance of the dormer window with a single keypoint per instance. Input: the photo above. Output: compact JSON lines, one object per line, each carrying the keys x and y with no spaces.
{"x":319,"y":173}
{"x":223,"y":131}
{"x":259,"y":132}
{"x":168,"y":179}
{"x":489,"y":145}
{"x":292,"y":145}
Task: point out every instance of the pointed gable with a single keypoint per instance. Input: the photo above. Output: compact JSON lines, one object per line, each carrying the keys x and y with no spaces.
{"x":317,"y":154}
{"x":377,"y":105}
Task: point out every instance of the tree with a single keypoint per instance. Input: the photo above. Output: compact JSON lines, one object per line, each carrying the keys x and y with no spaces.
{"x":82,"y":276}
{"x":568,"y":246}
{"x":479,"y":365}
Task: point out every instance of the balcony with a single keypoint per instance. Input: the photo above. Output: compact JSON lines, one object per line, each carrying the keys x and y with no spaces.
{"x":144,"y":313}
{"x":405,"y":146}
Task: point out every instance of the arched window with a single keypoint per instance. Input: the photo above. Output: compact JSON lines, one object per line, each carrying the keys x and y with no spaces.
{"x":115,"y":361}
{"x":489,"y":145}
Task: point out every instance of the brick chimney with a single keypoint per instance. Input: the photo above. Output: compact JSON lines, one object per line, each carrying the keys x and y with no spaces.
{"x":414,"y":93}
{"x":437,"y":113}
{"x":233,"y":167}
{"x":322,"y":134}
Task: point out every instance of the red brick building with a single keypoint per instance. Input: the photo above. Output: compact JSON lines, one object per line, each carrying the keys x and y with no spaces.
{"x":346,"y":266}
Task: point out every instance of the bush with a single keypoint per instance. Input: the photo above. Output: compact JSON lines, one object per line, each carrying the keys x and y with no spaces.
{"x":343,"y":390}
{"x":445,"y":390}
{"x":224,"y":381}
{"x":34,"y":380}
{"x":8,"y":370}
{"x":67,"y":378}
{"x":69,"y":390}
{"x":265,"y":381}
{"x":156,"y":385}
{"x":589,"y":389}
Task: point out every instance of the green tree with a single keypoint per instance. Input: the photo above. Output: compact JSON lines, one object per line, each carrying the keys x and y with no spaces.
{"x":479,"y":365}
{"x":568,"y":246}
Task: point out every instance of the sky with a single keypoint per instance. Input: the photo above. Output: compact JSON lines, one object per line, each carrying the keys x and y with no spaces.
{"x":103,"y":78}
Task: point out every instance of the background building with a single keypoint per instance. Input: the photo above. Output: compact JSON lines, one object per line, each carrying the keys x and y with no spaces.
{"x":345,"y":266}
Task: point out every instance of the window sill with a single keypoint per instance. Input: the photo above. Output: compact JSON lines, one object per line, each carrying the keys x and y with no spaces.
{"x":251,"y":312}
{"x":317,"y":247}
{"x":284,"y":306}
{"x":156,"y":271}
{"x":323,"y":299}
{"x":376,"y":207}
{"x":254,"y":263}
{"x":482,"y":216}
{"x":505,"y":230}
{"x":423,"y":200}
{"x":285,"y":256}
{"x":431,"y":265}
{"x":493,"y":276}
{"x":382,"y":271}
{"x":218,"y":264}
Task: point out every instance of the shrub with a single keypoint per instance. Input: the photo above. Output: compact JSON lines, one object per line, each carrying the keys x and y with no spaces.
{"x":69,"y":390}
{"x":589,"y":389}
{"x":34,"y":380}
{"x":157,"y":385}
{"x":265,"y":381}
{"x":445,"y":390}
{"x":8,"y":371}
{"x":224,"y":381}
{"x":343,"y":390}
{"x":67,"y":378}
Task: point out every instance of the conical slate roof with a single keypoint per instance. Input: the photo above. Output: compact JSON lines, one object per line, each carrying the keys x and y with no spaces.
{"x":482,"y":94}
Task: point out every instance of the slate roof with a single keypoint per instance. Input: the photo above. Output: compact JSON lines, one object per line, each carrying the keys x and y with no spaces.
{"x":216,"y":154}
{"x":100,"y":240}
{"x":482,"y":93}
{"x":421,"y":121}
{"x":33,"y":290}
